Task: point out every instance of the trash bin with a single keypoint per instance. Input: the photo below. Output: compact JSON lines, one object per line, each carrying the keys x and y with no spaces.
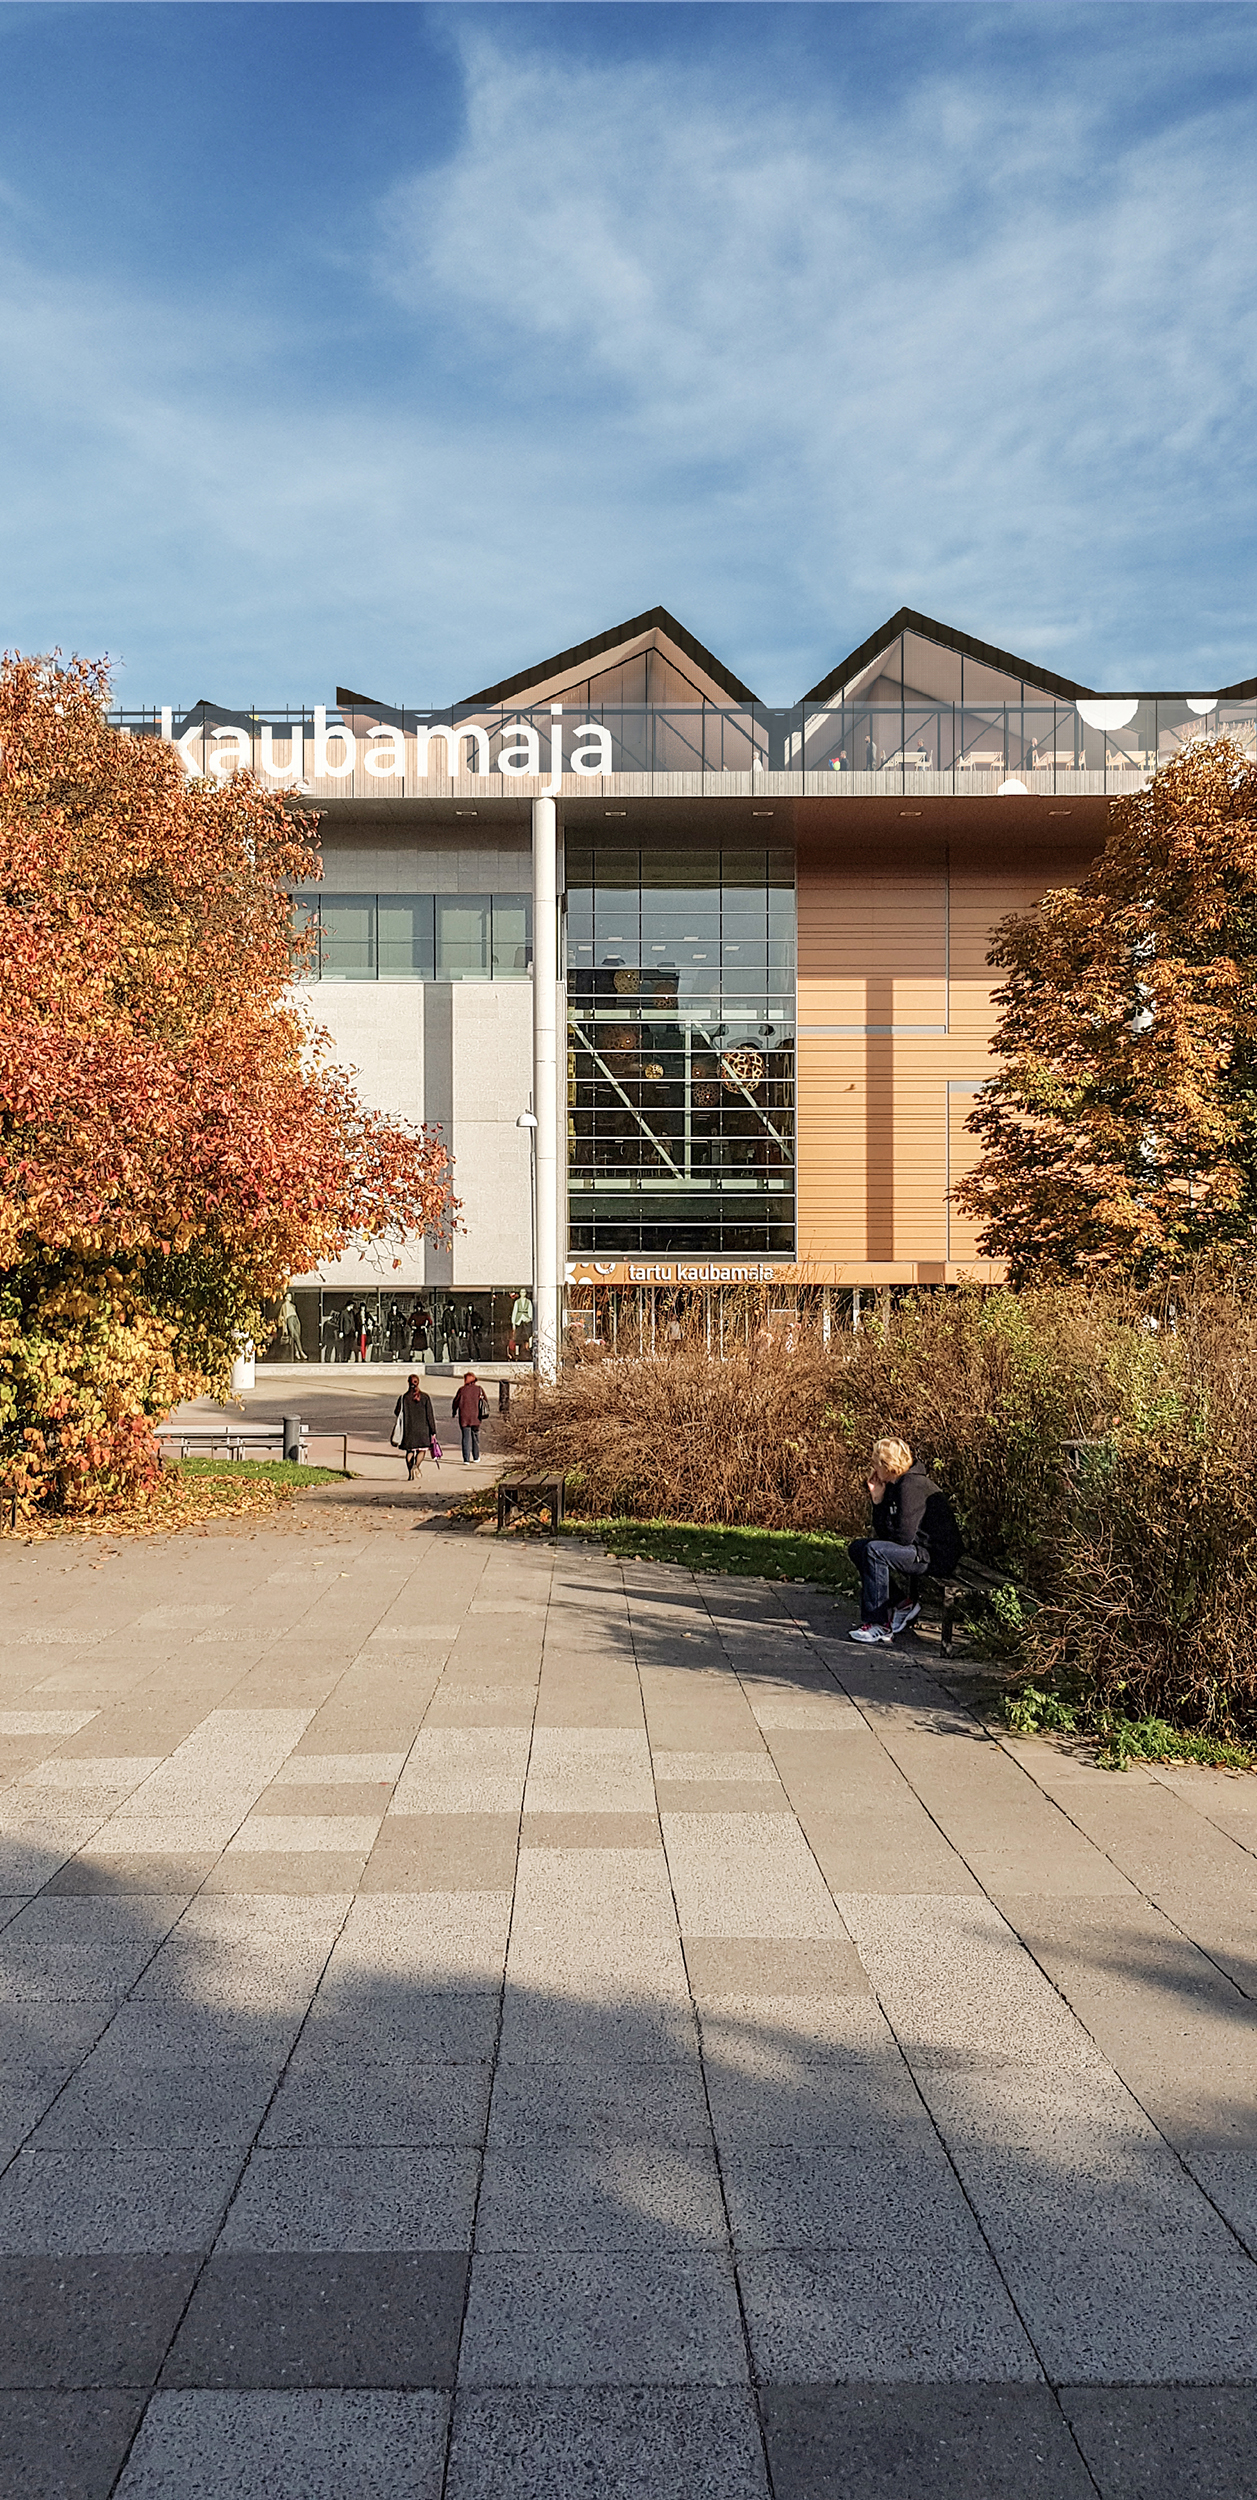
{"x":292,"y":1436}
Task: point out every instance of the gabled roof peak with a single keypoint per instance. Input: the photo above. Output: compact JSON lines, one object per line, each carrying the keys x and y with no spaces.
{"x":949,"y":638}
{"x":653,"y":628}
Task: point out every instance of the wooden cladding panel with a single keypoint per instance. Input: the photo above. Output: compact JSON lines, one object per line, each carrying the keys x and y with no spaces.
{"x":882,"y":1114}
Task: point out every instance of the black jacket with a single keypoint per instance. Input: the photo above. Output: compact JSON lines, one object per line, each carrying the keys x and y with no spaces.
{"x":899,"y":1517}
{"x":418,"y":1420}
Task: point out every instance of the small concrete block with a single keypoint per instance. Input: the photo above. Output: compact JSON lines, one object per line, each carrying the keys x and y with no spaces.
{"x":600,"y":2197}
{"x":747,"y":1966}
{"x":621,"y":2321}
{"x":349,"y":2102}
{"x":548,"y":2030}
{"x":322,"y":2321}
{"x":65,"y":2445}
{"x":723,"y":1797}
{"x":426,"y":2024}
{"x":364,"y":1799}
{"x":267,"y":2444}
{"x":703,"y":1769}
{"x":882,"y":2312}
{"x":300,"y":1875}
{"x":158,"y":2107}
{"x":376,"y":2199}
{"x":746,"y":1875}
{"x":322,"y":1770}
{"x":90,"y":1876}
{"x":89,"y":2321}
{"x":444,"y":1853}
{"x":690,"y":2443}
{"x":590,"y":1831}
{"x":44,"y":1722}
{"x":1166,"y":2443}
{"x":641,"y":2105}
{"x":100,"y":2202}
{"x":921,"y":2443}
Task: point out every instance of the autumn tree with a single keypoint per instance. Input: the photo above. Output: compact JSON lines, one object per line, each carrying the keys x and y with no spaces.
{"x":175,"y":1141}
{"x":1119,"y":1131}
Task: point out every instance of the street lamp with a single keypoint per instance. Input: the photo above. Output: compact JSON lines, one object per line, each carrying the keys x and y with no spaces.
{"x":528,"y":1120}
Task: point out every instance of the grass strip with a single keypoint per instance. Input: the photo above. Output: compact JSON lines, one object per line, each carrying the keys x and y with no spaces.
{"x":1031,"y":1711}
{"x":285,"y":1474}
{"x":749,"y":1553}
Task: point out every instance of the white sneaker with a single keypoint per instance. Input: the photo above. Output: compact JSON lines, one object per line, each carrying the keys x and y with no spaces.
{"x":871,"y":1632}
{"x":902,"y":1617}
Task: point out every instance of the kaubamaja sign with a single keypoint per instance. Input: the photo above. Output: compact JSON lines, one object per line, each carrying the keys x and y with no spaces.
{"x":335,"y":754}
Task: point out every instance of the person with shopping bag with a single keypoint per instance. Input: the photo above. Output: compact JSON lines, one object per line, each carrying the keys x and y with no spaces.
{"x":469,"y":1410}
{"x":414,"y":1425}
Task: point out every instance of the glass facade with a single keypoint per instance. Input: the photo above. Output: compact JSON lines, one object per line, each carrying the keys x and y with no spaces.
{"x":441,"y":1324}
{"x":418,"y":937}
{"x":680,"y":1051}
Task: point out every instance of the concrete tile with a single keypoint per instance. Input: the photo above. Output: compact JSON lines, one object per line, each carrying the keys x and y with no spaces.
{"x":22,"y":2106}
{"x":706,"y":1769}
{"x":1229,"y":2181}
{"x":810,"y":2104}
{"x":723,"y":1797}
{"x":65,"y":2445}
{"x":346,"y":2101}
{"x":600,"y":2197}
{"x":598,"y":1830}
{"x":746,"y":1875}
{"x":96,"y":2201}
{"x":166,"y":1835}
{"x":1165,"y":2443}
{"x":444,"y":1853}
{"x":264,"y":2444}
{"x":351,"y":1834}
{"x":44,"y":1722}
{"x":92,"y":1877}
{"x":690,"y":2443}
{"x":539,"y":2030}
{"x":322,"y":1770}
{"x":371,"y":2199}
{"x":620,"y":2320}
{"x":453,"y":1940}
{"x":160,"y":2107}
{"x":427,"y":2024}
{"x":661,"y":2104}
{"x":296,"y":1872}
{"x":1119,"y":2283}
{"x":103,"y":1772}
{"x":464,"y":1770}
{"x":59,"y":1949}
{"x":483,"y":1705}
{"x":880,"y":2312}
{"x":89,"y":2321}
{"x":383,"y":2320}
{"x":748,"y":1966}
{"x":952,"y":2443}
{"x":364,"y":1800}
{"x":849,"y":2198}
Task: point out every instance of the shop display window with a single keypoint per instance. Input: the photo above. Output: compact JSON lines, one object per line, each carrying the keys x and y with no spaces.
{"x":423,"y":1328}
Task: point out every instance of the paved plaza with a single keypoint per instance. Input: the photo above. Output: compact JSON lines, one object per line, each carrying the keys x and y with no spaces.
{"x":482,"y":2020}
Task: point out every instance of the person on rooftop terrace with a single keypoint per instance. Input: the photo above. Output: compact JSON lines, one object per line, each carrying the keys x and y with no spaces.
{"x":914,"y":1531}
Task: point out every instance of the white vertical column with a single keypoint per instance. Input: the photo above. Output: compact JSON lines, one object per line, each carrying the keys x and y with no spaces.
{"x":545,"y":1079}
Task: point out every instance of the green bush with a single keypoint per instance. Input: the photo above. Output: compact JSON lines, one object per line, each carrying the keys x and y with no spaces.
{"x":1103,"y":1445}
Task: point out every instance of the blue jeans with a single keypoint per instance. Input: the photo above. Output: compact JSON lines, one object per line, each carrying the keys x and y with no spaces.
{"x":876,"y":1558}
{"x":471,"y":1442}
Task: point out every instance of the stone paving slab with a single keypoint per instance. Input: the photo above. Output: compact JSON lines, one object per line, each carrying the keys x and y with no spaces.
{"x":488,"y":2021}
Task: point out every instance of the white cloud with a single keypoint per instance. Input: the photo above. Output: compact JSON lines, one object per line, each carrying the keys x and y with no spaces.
{"x":659,"y":331}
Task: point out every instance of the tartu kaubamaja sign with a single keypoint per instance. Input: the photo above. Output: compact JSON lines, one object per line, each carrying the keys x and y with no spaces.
{"x":464,"y":750}
{"x":670,"y":1272}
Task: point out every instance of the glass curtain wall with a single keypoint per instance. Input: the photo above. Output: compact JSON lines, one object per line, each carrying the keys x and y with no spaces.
{"x":418,"y":937}
{"x":680,"y":1051}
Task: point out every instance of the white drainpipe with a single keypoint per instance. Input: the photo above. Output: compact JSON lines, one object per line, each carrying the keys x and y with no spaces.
{"x":545,"y":1078}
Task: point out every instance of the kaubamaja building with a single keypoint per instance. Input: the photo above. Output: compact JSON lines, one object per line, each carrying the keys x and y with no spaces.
{"x":732,"y":957}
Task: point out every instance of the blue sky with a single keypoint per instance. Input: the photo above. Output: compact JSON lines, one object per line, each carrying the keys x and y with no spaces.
{"x":399,"y":346}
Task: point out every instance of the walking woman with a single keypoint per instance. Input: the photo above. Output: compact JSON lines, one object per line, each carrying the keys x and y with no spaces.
{"x":413,"y":1412}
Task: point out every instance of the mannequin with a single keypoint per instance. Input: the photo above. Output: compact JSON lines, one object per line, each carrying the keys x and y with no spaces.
{"x":291,"y":1346}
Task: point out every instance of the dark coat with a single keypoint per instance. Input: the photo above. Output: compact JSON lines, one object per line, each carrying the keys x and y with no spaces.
{"x":418,"y":1420}
{"x":471,"y":1405}
{"x":899,"y":1516}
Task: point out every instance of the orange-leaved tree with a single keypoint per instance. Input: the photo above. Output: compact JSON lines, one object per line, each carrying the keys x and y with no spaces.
{"x":175,"y":1141}
{"x":1119,"y":1131}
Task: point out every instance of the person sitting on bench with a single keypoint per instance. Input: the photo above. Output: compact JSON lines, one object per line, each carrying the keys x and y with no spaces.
{"x":914,"y":1531}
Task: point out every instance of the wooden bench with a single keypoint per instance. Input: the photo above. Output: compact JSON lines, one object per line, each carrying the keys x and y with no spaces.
{"x":529,"y":1493}
{"x":226,"y":1439}
{"x":969,"y":1579}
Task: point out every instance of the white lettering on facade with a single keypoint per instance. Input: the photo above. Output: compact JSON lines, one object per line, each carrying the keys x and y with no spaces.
{"x":294,"y":769}
{"x":522,"y":759}
{"x":385,"y":757}
{"x":454,"y":737}
{"x":322,"y":768}
{"x":595,"y":759}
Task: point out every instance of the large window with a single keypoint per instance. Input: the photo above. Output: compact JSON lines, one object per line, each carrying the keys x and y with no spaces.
{"x":681,"y":1026}
{"x":418,"y":937}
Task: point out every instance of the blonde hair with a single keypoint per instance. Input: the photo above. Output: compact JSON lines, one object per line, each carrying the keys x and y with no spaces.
{"x":892,"y":1459}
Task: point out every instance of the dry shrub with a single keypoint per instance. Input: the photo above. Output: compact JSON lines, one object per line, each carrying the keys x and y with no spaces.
{"x":1103,"y":1444}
